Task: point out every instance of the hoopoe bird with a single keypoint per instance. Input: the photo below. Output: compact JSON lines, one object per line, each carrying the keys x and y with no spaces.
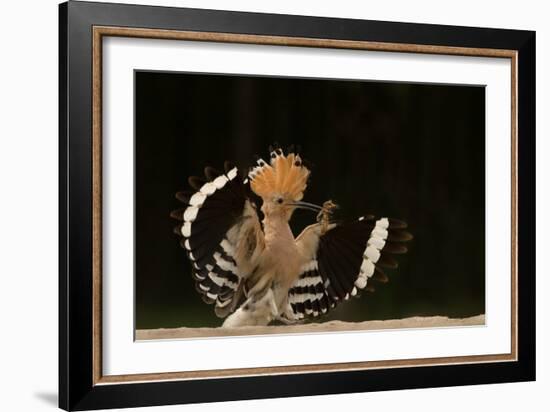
{"x":255,"y":271}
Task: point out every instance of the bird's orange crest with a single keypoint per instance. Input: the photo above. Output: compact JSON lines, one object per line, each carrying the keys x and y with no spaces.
{"x":284,"y":175}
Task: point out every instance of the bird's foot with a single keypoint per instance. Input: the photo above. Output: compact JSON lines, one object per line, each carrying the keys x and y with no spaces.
{"x":285,"y":320}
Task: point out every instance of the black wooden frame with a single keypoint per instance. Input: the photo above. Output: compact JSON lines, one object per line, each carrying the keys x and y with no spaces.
{"x":76,"y":388}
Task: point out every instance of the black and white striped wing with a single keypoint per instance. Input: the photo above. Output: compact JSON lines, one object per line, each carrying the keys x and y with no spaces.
{"x":346,"y":259}
{"x":221,"y":234}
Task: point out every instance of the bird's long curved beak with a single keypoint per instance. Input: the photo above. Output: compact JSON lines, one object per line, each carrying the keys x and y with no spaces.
{"x":307,"y":205}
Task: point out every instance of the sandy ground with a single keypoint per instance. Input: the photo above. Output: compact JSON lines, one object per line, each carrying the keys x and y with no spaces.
{"x":332,"y":326}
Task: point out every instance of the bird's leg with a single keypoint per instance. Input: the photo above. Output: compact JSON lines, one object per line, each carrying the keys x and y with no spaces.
{"x":324,"y":215}
{"x":274,"y":310}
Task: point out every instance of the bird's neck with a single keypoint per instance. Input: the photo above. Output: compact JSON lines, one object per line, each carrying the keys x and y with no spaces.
{"x":282,"y":257}
{"x":277,"y":229}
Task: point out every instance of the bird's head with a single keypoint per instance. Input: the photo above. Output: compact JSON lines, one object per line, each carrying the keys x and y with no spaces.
{"x":280,"y":205}
{"x":281,"y":183}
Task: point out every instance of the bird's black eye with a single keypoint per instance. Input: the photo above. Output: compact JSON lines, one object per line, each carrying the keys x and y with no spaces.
{"x":280,"y":200}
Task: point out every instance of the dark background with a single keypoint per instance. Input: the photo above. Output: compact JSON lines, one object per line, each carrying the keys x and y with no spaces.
{"x":410,"y":151}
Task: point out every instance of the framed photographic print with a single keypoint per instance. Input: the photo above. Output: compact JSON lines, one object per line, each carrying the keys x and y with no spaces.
{"x":256,"y":205}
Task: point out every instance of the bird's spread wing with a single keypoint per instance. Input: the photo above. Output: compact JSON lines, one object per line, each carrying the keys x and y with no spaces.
{"x":341,"y":260}
{"x":221,"y":234}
